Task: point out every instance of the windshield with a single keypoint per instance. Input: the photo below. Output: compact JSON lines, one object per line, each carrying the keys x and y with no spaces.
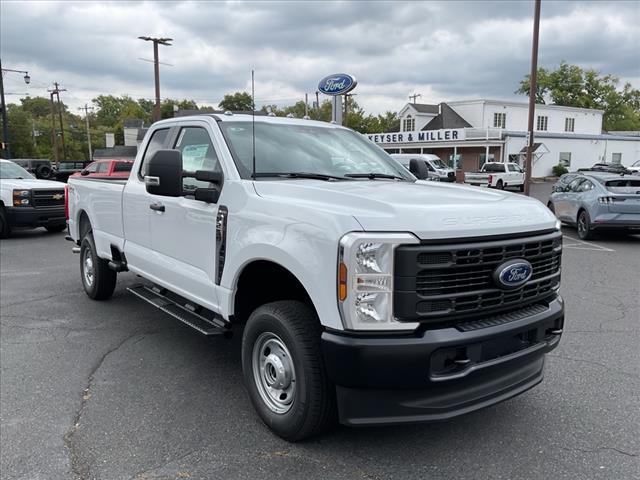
{"x":287,"y":148}
{"x":439,"y":163}
{"x":626,"y":185}
{"x":11,"y":170}
{"x":493,"y":167}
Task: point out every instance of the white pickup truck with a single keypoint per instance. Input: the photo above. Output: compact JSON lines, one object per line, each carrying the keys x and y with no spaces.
{"x":365,"y":296}
{"x":497,"y":175}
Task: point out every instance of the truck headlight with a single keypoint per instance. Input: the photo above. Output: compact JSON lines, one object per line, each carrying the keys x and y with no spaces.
{"x":365,"y":280}
{"x":21,"y":198}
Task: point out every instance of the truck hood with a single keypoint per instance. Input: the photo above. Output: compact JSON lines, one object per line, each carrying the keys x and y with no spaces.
{"x":29,"y":183}
{"x":430,"y":210}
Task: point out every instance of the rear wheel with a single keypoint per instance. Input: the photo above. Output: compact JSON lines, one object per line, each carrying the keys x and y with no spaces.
{"x":44,"y":171}
{"x":584,"y":226}
{"x":5,"y":229}
{"x":284,"y":371}
{"x":98,"y":279}
{"x":500,"y":185}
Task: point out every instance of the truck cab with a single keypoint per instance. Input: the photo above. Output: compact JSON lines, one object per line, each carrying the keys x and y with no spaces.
{"x":437,"y":169}
{"x":364,"y":296}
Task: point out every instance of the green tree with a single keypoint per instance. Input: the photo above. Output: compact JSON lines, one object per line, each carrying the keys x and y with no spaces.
{"x":36,"y":106}
{"x":236,"y":102}
{"x":573,"y":86}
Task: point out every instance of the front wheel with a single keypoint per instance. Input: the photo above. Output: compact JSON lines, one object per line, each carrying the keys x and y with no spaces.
{"x":521,"y":188}
{"x":98,"y":280}
{"x":5,"y":229}
{"x":284,"y":371}
{"x":584,"y":226}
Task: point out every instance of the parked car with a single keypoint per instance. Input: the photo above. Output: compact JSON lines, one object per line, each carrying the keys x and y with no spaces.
{"x":607,"y":167}
{"x":26,"y":201}
{"x":498,"y":175}
{"x":64,"y":170}
{"x":107,"y":168}
{"x":438,"y":170}
{"x":635,"y":167}
{"x":39,"y":168}
{"x":597,"y":201}
{"x":364,"y":295}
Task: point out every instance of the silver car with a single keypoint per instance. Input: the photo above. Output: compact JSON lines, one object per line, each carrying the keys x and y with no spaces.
{"x":597,"y":201}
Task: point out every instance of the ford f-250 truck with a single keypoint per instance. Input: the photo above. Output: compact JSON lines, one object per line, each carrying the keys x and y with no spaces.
{"x":365,"y":296}
{"x":497,"y":175}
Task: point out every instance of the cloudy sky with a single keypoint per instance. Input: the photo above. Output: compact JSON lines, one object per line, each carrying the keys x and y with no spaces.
{"x":443,"y":50}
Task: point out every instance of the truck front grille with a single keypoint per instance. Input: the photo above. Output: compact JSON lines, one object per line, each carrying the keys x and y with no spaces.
{"x":446,"y":282}
{"x":48,"y":198}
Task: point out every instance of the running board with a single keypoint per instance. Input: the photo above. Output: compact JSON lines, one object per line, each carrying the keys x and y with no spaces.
{"x":194,"y":316}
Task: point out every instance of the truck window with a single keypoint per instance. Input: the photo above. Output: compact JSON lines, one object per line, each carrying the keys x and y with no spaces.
{"x":102,"y":167}
{"x":197,"y":154}
{"x":122,"y":167}
{"x":493,"y":167}
{"x":93,"y":168}
{"x":512,"y":168}
{"x":156,"y":142}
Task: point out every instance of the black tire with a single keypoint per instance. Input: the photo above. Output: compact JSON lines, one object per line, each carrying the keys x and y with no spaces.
{"x":500,"y":185}
{"x":312,"y":408}
{"x":583,"y":225}
{"x":97,"y":278}
{"x":56,"y":228}
{"x":521,"y":188}
{"x":44,"y":171}
{"x":5,"y":228}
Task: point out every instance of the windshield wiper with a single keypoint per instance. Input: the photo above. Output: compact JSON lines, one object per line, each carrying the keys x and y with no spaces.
{"x":314,"y":176}
{"x":373,"y":175}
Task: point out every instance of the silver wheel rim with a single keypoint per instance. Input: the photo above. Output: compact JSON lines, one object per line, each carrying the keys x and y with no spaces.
{"x":87,"y":263}
{"x":273,"y":372}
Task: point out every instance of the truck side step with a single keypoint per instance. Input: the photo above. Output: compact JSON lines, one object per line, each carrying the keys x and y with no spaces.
{"x":198,"y":318}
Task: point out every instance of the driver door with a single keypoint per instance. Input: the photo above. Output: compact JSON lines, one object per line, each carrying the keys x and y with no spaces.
{"x":183,"y":229}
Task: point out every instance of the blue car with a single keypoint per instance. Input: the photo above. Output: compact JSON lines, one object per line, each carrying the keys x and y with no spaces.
{"x":597,"y":201}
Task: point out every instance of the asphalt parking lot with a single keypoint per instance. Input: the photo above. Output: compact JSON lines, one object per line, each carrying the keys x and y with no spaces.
{"x":117,"y":390}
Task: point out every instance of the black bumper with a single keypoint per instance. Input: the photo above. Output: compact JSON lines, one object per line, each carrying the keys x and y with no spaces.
{"x":36,"y":217}
{"x":442,"y":373}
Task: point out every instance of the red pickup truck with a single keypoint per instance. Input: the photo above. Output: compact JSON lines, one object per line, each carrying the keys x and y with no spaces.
{"x":107,"y":168}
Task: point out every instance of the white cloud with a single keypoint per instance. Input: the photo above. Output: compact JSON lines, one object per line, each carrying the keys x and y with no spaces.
{"x":444,"y":50}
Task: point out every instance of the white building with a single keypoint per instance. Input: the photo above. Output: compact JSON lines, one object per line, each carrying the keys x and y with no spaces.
{"x":467,"y":133}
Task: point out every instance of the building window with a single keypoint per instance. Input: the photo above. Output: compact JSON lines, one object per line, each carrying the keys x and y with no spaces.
{"x":565,"y":159}
{"x":543,"y":121}
{"x":409,"y":124}
{"x":616,"y":158}
{"x":569,"y":124}
{"x":499,"y":120}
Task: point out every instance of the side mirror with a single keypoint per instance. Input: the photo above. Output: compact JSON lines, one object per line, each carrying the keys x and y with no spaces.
{"x":419,"y":169}
{"x":208,"y":195}
{"x":164,"y":173}
{"x":84,"y":172}
{"x":209,"y":176}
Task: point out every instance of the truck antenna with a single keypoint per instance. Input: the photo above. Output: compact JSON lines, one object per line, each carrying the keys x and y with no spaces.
{"x":253,"y":123}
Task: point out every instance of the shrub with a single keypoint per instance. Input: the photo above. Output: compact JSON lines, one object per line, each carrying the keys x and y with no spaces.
{"x":559,"y":170}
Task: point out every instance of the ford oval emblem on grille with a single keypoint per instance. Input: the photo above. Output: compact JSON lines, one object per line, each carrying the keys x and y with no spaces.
{"x":513,"y":274}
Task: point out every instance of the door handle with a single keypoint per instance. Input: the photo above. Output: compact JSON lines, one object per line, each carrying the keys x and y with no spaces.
{"x":158,"y":207}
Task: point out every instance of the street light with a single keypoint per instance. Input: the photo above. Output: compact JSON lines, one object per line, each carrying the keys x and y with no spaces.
{"x":156,"y":67}
{"x":5,"y":124}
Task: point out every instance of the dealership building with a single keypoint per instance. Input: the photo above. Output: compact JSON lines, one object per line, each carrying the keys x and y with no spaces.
{"x":467,"y":133}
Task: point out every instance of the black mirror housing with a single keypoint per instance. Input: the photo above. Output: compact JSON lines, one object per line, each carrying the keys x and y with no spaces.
{"x":164,"y":173}
{"x":84,"y":172}
{"x":419,"y":169}
{"x":209,"y":176}
{"x":208,"y":195}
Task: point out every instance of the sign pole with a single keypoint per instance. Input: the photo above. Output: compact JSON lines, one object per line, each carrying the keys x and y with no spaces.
{"x":533,"y":88}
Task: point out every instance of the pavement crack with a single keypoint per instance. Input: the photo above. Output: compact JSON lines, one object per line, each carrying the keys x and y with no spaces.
{"x":598,"y":449}
{"x":78,"y":470}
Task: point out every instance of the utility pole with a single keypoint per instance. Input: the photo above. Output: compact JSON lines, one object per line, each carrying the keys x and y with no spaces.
{"x":86,"y":109}
{"x":5,"y":121}
{"x":56,"y":91}
{"x":156,"y":69}
{"x":533,"y":88}
{"x":414,"y":97}
{"x":306,"y":105}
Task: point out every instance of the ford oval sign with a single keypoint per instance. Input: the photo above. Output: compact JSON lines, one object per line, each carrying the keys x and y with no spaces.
{"x":513,"y":274}
{"x":337,"y":84}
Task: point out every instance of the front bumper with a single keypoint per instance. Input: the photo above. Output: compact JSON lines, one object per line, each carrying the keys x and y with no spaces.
{"x":35,"y":217}
{"x":442,"y":373}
